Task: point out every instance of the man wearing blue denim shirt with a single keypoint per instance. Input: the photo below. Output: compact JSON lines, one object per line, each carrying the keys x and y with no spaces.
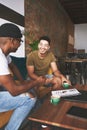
{"x":14,"y":97}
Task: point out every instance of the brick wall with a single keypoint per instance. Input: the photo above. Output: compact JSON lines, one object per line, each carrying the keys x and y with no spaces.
{"x":47,"y":17}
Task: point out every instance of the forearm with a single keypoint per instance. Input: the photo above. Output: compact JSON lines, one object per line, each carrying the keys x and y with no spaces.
{"x":33,"y":76}
{"x":18,"y":75}
{"x":16,"y":72}
{"x":30,"y":84}
{"x":22,"y":88}
{"x":61,"y":76}
{"x":57,"y":74}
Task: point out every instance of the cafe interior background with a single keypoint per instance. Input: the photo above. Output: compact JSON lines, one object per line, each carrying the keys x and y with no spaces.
{"x":56,"y":18}
{"x":49,"y":17}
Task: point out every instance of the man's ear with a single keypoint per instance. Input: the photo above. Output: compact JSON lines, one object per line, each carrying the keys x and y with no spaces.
{"x":11,"y":40}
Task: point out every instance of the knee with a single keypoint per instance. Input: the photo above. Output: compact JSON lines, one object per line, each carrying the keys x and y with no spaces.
{"x":34,"y":99}
{"x":30,"y":98}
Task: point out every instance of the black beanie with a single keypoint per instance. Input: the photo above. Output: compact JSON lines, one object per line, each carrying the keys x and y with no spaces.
{"x":10,"y":30}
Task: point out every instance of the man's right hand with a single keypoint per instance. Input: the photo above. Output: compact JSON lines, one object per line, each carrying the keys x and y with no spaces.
{"x":41,"y":80}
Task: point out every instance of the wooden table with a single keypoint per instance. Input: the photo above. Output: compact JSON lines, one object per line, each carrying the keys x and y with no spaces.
{"x":56,"y":115}
{"x":75,"y":60}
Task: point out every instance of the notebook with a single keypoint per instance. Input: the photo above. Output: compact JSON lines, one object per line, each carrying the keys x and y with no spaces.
{"x":65,"y":92}
{"x":79,"y":98}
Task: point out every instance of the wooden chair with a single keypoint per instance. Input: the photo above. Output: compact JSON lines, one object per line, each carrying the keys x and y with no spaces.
{"x":4,"y":117}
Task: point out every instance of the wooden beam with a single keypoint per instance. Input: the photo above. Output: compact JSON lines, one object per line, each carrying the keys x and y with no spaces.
{"x":10,"y":15}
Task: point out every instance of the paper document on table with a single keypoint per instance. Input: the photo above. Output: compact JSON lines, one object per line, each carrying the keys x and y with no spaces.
{"x":64,"y":93}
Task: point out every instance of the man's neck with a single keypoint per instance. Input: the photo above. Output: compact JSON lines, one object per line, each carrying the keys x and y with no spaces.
{"x":42,"y":55}
{"x":4,"y":51}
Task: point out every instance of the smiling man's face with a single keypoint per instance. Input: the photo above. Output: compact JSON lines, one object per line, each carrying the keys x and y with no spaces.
{"x":43,"y":46}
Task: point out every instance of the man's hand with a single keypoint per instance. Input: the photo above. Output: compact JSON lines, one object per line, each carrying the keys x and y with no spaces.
{"x":41,"y":80}
{"x":48,"y":80}
{"x":66,"y":80}
{"x":56,"y":81}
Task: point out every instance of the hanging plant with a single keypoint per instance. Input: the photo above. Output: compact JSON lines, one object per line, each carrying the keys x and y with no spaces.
{"x":30,"y":38}
{"x":34,"y":45}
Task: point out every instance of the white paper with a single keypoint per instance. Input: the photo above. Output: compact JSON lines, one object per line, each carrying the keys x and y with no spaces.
{"x":67,"y":92}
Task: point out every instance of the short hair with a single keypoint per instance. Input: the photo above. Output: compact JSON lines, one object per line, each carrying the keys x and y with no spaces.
{"x":45,"y":38}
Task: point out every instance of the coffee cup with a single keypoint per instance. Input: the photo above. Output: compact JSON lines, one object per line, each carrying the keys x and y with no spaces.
{"x":66,"y":85}
{"x":55,"y":99}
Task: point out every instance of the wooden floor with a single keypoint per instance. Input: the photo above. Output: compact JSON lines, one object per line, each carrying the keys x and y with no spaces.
{"x":37,"y":126}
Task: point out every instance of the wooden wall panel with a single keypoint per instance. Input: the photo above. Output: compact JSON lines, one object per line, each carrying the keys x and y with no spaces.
{"x":47,"y":17}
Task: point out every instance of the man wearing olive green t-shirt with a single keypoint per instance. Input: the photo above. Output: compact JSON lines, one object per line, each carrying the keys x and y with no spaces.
{"x":39,"y":62}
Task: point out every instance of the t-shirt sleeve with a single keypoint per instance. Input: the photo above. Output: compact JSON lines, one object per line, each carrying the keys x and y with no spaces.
{"x":9,"y":59}
{"x":53,"y":58}
{"x":29,"y":60}
{"x":4,"y":69}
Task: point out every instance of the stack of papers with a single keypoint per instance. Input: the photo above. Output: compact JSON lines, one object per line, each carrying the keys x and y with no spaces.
{"x":65,"y":93}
